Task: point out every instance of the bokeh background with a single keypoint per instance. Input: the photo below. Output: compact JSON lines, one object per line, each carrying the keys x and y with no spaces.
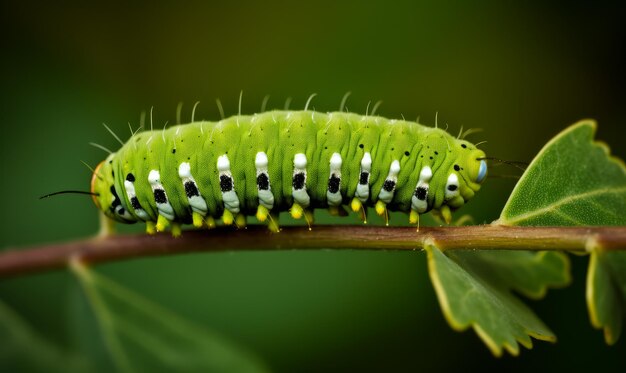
{"x":522,"y":71}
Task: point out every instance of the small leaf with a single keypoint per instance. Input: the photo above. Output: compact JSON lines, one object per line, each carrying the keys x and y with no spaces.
{"x":142,"y":336}
{"x":474,"y":290}
{"x":574,"y":181}
{"x":606,"y":292}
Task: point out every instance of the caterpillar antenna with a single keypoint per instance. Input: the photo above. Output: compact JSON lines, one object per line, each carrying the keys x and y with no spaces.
{"x":69,"y":192}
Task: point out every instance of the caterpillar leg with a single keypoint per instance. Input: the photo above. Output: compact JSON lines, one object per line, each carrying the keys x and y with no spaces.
{"x":357,"y":206}
{"x":176,"y":230}
{"x":240,"y":221}
{"x":381,"y":210}
{"x":296,"y":211}
{"x":228,"y":217}
{"x":414,"y":218}
{"x":162,"y":223}
{"x":262,"y":213}
{"x":210,"y":222}
{"x":308,"y":216}
{"x":150,"y":227}
{"x":272,"y":223}
{"x":198,"y":219}
{"x":443,"y":213}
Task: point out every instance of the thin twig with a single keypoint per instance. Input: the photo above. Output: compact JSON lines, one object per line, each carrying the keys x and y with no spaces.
{"x":484,"y":237}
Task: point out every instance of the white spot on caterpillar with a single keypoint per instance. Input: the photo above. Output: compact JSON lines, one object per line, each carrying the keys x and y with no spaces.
{"x":419,"y":200}
{"x":389,"y":186}
{"x":197,"y":203}
{"x":223,"y":164}
{"x":452,"y":186}
{"x":299,"y":161}
{"x":163,"y":206}
{"x":266,"y":198}
{"x":333,"y":194}
{"x":299,"y":179}
{"x":363,"y":189}
{"x":131,"y":194}
{"x":227,"y":185}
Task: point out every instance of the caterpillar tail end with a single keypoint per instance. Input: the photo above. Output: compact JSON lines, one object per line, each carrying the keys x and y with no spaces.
{"x":151,"y":227}
{"x":198,"y":219}
{"x":162,"y":223}
{"x":228,"y":217}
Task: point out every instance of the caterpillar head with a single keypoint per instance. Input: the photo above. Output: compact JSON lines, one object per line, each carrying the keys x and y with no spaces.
{"x":466,"y":175}
{"x":104,"y":194}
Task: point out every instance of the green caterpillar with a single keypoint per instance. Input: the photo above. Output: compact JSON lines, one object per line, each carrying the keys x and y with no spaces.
{"x":285,"y":160}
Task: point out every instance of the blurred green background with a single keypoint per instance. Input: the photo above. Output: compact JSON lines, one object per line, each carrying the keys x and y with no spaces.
{"x":522,"y":71}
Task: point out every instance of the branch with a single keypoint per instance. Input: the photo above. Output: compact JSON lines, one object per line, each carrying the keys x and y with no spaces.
{"x":100,"y":250}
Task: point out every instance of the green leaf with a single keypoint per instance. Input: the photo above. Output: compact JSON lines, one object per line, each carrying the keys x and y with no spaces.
{"x":23,"y":349}
{"x":475,"y":290}
{"x":606,"y":292}
{"x":574,"y":181}
{"x":142,"y":336}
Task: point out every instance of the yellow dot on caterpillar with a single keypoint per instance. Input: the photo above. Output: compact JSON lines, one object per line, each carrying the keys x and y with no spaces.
{"x":240,"y":221}
{"x":176,"y":230}
{"x":381,"y":207}
{"x":162,"y":223}
{"x":414,"y":217}
{"x":356,"y":205}
{"x":228,"y":217}
{"x":210,"y":222}
{"x":261,"y":213}
{"x":198,"y":220}
{"x":296,"y":211}
{"x":150,"y":227}
{"x":446,"y":213}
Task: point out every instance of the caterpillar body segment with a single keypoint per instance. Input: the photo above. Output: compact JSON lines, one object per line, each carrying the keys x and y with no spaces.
{"x":295,"y":161}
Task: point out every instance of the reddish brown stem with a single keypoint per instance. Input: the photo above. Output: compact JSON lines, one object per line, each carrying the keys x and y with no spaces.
{"x":100,"y":250}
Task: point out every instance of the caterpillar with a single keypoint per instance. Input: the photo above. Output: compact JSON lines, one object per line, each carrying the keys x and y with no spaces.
{"x":294,"y":161}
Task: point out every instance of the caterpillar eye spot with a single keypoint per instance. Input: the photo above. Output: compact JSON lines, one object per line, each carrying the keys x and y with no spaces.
{"x":482,"y":171}
{"x":436,"y":153}
{"x":431,"y":157}
{"x":464,"y":146}
{"x":456,"y":167}
{"x":173,"y":151}
{"x":361,"y":146}
{"x":407,"y":153}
